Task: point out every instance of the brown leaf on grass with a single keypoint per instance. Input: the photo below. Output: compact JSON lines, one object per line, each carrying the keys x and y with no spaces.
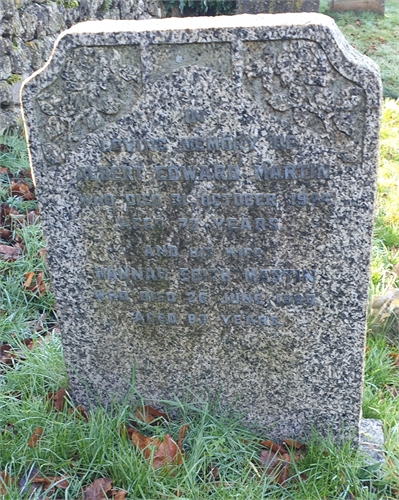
{"x":358,"y":23}
{"x":41,"y":287}
{"x":29,"y":343}
{"x":283,"y":475}
{"x":395,"y":358}
{"x":5,"y":481}
{"x":267,"y":443}
{"x":182,"y":435}
{"x":394,"y":391}
{"x":5,"y":234}
{"x":276,"y":465}
{"x":28,"y":488}
{"x":43,"y":254}
{"x":6,"y":213}
{"x":79,"y":410}
{"x":212,"y":474}
{"x":126,"y":430}
{"x":118,"y":494}
{"x":32,"y":217}
{"x":144,"y":443}
{"x":291,"y":443}
{"x":168,"y":453}
{"x":6,"y":354}
{"x":59,"y":481}
{"x":28,"y":279}
{"x":269,"y":459}
{"x":10,"y":253}
{"x":277,"y":459}
{"x":98,"y":489}
{"x":57,"y":399}
{"x":35,"y":436}
{"x":148,"y":414}
{"x":21,"y":188}
{"x":38,"y":287}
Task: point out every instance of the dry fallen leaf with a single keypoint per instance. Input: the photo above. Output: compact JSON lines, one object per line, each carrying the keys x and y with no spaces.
{"x":28,"y":279}
{"x":6,"y":355}
{"x":35,"y":436}
{"x":59,"y":481}
{"x":32,"y":217}
{"x":98,"y":489}
{"x":57,"y":399}
{"x":21,"y":188}
{"x":29,"y":489}
{"x":168,"y":453}
{"x":394,"y":391}
{"x":5,"y":234}
{"x":29,"y":343}
{"x":291,"y":443}
{"x":5,"y":480}
{"x":148,"y":414}
{"x":118,"y":494}
{"x":277,"y":459}
{"x":395,"y":358}
{"x":9,"y":253}
{"x":267,"y":443}
{"x":39,"y":287}
{"x":144,"y":443}
{"x":79,"y":410}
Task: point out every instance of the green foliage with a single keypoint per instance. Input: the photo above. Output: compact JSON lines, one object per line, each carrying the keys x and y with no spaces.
{"x":13,"y":152}
{"x":202,"y":7}
{"x":14,"y":78}
{"x":68,"y":4}
{"x":386,"y":230}
{"x":106,"y":5}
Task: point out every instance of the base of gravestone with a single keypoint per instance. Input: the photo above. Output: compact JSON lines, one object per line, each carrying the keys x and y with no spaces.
{"x":377,"y":6}
{"x":276,"y":6}
{"x":371,"y":443}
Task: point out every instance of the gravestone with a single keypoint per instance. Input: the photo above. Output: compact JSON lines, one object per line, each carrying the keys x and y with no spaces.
{"x":276,"y":6}
{"x":377,"y":6}
{"x":206,"y":188}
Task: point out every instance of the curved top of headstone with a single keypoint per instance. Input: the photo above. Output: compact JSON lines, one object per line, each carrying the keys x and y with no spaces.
{"x":313,"y":26}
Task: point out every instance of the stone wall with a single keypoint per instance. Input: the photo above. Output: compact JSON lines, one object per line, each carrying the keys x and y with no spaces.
{"x":28,"y":29}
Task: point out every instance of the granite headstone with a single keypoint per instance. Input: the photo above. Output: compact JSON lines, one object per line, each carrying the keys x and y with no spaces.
{"x":206,"y":188}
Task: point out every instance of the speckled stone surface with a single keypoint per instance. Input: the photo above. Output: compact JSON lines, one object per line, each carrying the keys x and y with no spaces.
{"x":372,"y":442}
{"x":206,"y":188}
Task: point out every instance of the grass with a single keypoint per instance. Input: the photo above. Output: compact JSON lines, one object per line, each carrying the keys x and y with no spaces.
{"x":376,"y":36}
{"x":84,"y":450}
